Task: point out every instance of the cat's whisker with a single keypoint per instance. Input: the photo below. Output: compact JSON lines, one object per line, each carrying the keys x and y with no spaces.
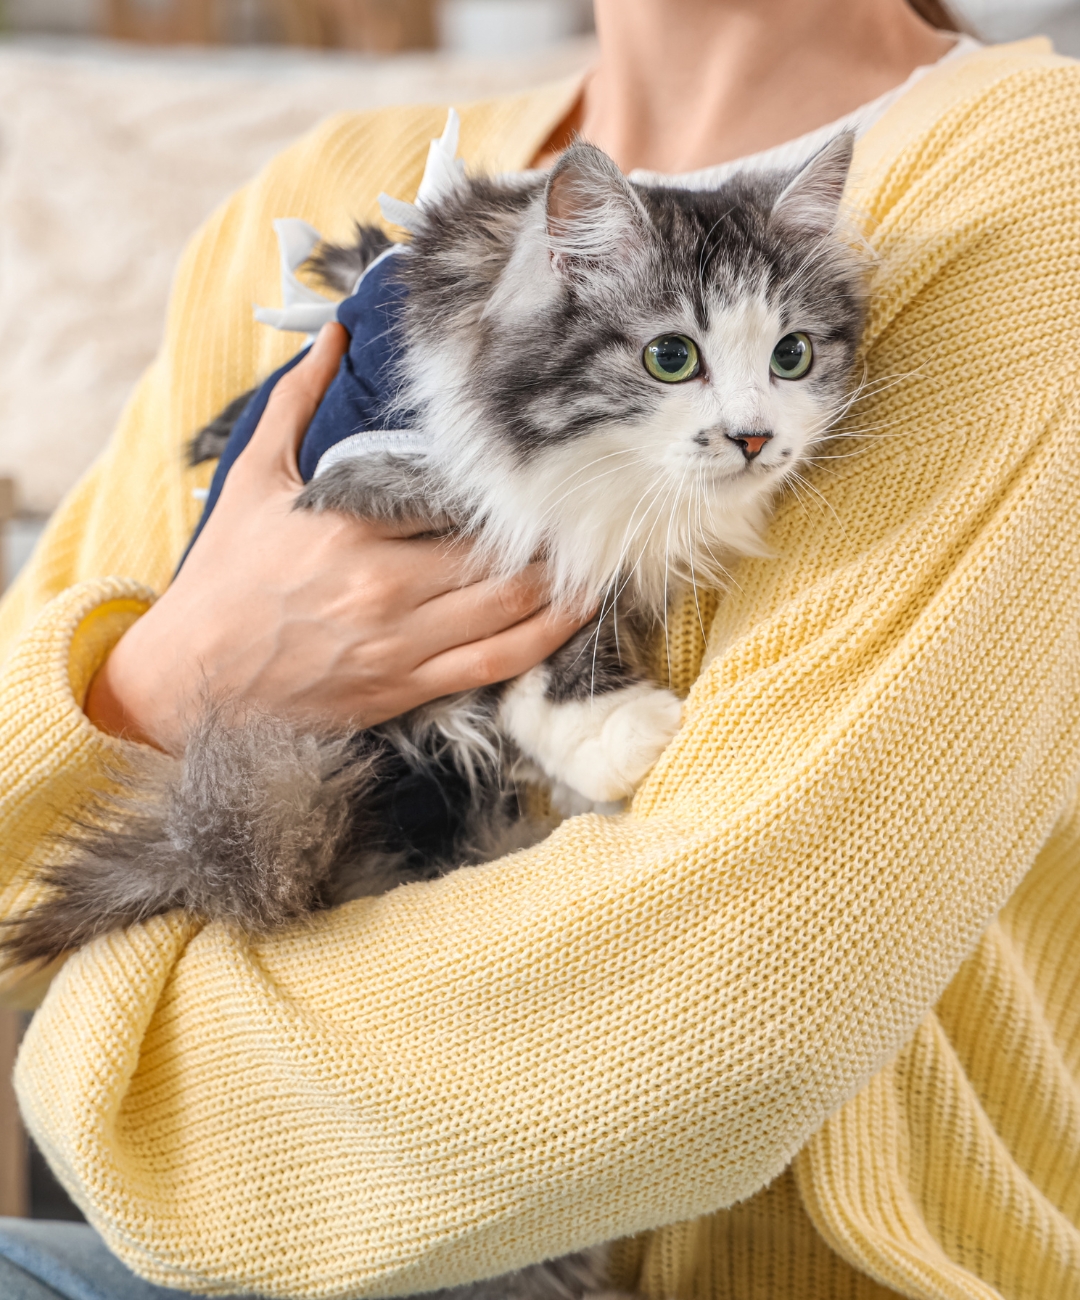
{"x":613,"y":586}
{"x":667,"y":493}
{"x":866,"y":442}
{"x":661,"y":492}
{"x":675,"y":493}
{"x":629,"y":535}
{"x":818,"y":252}
{"x":667,"y":573}
{"x":796,"y":481}
{"x":835,"y":423}
{"x":581,"y":471}
{"x":614,"y":590}
{"x":861,"y":430}
{"x":817,"y":459}
{"x":595,"y":653}
{"x":718,"y":570}
{"x":826,"y":503}
{"x":791,"y":483}
{"x":842,"y":407}
{"x":694,"y":499}
{"x":705,"y":257}
{"x":868,"y":388}
{"x":553,"y":506}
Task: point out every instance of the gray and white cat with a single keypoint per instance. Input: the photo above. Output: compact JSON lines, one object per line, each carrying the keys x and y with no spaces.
{"x":617,"y":377}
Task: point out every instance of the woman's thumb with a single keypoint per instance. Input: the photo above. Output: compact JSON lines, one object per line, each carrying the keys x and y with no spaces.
{"x":294,"y":400}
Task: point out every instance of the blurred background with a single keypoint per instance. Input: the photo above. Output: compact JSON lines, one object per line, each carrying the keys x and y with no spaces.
{"x":122,"y":124}
{"x":480,"y":27}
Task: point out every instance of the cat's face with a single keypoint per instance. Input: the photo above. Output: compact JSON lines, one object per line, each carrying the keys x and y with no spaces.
{"x":733,"y":390}
{"x":651,"y":365}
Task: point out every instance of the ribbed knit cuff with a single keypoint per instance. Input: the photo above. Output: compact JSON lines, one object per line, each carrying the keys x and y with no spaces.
{"x":52,"y":752}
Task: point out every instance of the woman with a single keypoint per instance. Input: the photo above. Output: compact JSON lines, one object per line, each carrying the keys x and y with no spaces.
{"x":808,"y":1003}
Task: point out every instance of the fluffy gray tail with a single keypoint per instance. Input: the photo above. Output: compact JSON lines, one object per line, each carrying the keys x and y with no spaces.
{"x":246,"y":828}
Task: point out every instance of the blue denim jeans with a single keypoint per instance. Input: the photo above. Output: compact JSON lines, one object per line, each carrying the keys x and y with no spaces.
{"x":45,"y":1260}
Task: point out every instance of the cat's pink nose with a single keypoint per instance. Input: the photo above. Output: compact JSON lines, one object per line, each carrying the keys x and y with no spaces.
{"x":749,"y":441}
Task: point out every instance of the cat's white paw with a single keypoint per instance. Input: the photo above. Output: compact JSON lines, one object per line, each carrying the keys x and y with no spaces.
{"x":568,"y":802}
{"x":601,"y":747}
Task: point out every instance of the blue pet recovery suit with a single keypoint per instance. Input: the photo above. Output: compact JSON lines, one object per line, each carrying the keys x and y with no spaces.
{"x":354,"y":414}
{"x":358,"y":415}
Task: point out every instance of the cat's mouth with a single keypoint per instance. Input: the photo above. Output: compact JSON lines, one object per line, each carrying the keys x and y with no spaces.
{"x":729,"y":473}
{"x":757,"y":453}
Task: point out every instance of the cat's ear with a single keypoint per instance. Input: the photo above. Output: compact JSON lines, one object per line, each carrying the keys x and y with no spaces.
{"x":594,"y":218}
{"x":810,"y":201}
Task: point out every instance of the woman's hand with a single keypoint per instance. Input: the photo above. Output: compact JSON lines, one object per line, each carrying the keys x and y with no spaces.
{"x":314,"y":616}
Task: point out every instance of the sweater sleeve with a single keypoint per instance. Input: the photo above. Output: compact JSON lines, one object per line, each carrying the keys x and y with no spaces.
{"x":52,"y":753}
{"x":643,"y":1018}
{"x":118,"y":535}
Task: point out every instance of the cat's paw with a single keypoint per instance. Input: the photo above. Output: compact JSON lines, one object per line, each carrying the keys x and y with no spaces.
{"x":601,"y":746}
{"x":568,"y":802}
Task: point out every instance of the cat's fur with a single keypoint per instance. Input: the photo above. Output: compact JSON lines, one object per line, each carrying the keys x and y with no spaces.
{"x":528,"y":310}
{"x":529,"y":305}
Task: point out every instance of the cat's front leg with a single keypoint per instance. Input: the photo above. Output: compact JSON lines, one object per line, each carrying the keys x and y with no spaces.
{"x":588,"y":718}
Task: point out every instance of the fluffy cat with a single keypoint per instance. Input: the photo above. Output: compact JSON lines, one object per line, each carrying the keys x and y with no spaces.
{"x":617,"y":377}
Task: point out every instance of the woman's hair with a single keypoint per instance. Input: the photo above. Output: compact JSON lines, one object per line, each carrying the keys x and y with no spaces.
{"x":938,"y":14}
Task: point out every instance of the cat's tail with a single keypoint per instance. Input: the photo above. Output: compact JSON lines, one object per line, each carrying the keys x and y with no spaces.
{"x":246,"y":828}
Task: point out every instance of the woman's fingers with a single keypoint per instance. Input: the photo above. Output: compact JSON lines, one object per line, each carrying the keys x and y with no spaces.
{"x":318,"y":616}
{"x":480,"y":610}
{"x":497,"y":658}
{"x":276,"y":441}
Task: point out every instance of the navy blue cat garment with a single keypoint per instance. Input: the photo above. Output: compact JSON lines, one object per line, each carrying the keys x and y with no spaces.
{"x":423,"y":810}
{"x":360,"y":397}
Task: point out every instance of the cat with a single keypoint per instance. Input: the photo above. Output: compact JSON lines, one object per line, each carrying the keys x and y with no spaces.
{"x":615,"y":376}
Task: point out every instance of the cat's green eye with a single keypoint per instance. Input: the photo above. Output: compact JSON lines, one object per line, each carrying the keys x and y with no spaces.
{"x":672,"y":358}
{"x":791,"y":357}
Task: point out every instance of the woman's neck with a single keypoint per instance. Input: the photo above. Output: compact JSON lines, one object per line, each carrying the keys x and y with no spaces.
{"x":686,"y":84}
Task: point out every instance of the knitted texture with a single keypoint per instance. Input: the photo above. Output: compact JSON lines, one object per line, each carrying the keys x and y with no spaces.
{"x":840,"y":926}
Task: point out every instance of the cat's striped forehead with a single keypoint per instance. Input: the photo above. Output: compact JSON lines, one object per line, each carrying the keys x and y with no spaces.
{"x":714,"y":249}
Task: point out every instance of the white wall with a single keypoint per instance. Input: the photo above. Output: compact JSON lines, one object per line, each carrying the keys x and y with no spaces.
{"x":500,"y":27}
{"x":1004,"y":20}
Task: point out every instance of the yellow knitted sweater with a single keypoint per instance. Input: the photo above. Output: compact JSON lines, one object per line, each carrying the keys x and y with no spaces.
{"x":827,"y":972}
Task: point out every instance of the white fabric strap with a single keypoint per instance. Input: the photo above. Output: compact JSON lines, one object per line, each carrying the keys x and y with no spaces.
{"x":401,"y":442}
{"x":303,"y":310}
{"x":442,"y":174}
